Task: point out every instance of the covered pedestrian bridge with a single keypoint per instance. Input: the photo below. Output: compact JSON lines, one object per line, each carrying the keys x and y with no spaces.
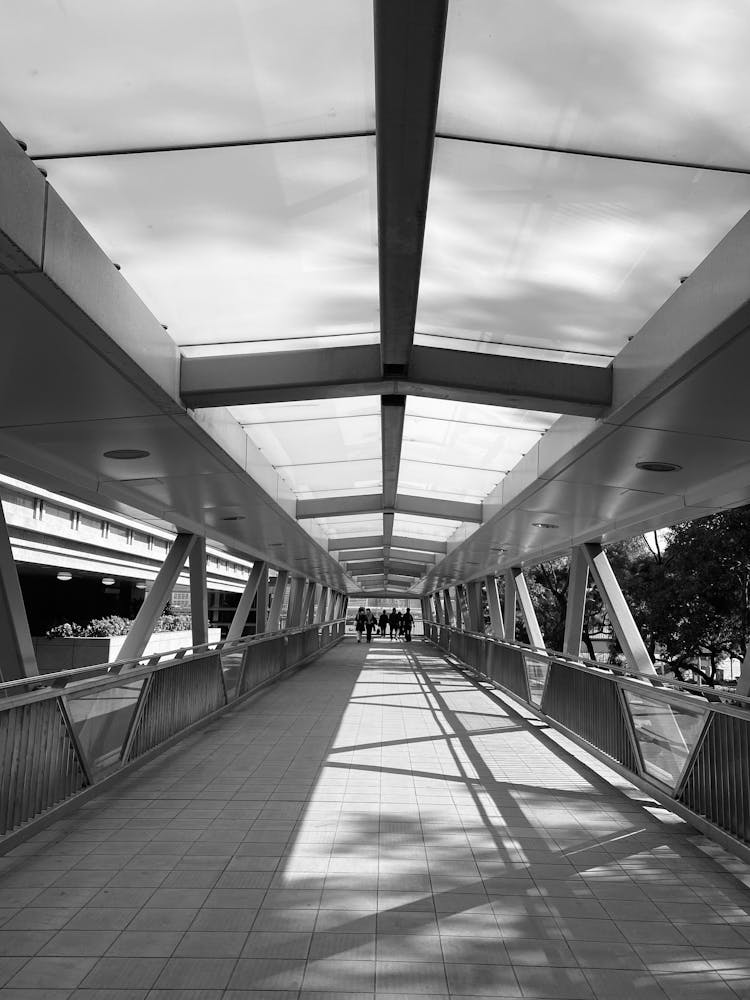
{"x":394,"y":300}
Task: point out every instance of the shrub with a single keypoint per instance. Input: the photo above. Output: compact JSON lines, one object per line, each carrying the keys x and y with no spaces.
{"x":114,"y":625}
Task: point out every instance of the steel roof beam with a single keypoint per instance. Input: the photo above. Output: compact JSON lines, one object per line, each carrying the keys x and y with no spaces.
{"x":357,"y":542}
{"x":419,"y":544}
{"x":455,"y":510}
{"x":495,"y":380}
{"x":409,"y":38}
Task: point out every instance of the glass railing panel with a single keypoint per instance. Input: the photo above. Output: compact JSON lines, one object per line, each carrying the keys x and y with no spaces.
{"x":536,"y":673}
{"x":101,"y":720}
{"x":666,"y":734}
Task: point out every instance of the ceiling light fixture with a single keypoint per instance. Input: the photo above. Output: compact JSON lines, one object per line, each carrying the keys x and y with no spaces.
{"x":65,"y":575}
{"x":126,"y":454}
{"x":544,"y":524}
{"x":658,"y":466}
{"x":108,"y":581}
{"x":140,"y":585}
{"x":234,"y":517}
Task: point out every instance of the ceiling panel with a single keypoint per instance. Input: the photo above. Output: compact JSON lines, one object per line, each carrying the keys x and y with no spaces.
{"x":667,"y":80}
{"x":242,"y":244}
{"x":558,"y":252}
{"x":86,"y":75}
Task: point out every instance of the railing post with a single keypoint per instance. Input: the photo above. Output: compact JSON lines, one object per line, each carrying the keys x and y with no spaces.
{"x":617,"y":609}
{"x":527,"y":608}
{"x":198,"y":592}
{"x":17,"y":657}
{"x":246,"y":601}
{"x":577,"y":583}
{"x":493,"y":603}
{"x":143,"y":626}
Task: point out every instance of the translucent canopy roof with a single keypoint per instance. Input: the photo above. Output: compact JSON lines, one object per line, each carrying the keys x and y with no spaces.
{"x":321,"y":448}
{"x":560,"y":252}
{"x":87,"y":75}
{"x":461,"y":451}
{"x":586,"y":159}
{"x":665,"y":80}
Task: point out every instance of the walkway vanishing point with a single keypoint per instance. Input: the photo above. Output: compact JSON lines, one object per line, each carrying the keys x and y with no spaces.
{"x":376,"y":825}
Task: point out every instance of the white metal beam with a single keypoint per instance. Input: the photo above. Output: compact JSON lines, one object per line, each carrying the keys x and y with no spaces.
{"x":17,"y":657}
{"x":527,"y":608}
{"x":246,"y":601}
{"x":577,"y":583}
{"x":617,"y":609}
{"x":198,"y":592}
{"x":143,"y":626}
{"x":510,"y":603}
{"x":493,"y":603}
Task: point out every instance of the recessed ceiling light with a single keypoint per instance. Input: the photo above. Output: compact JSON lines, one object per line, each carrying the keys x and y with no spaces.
{"x":544,"y":524}
{"x":126,"y":454}
{"x":140,"y":585}
{"x":234,"y":517}
{"x":657,"y":466}
{"x":108,"y":581}
{"x":64,"y":574}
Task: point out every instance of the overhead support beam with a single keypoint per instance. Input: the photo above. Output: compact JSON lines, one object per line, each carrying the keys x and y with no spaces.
{"x":161,"y":589}
{"x":392,"y":409}
{"x":423,"y":559}
{"x":409,"y":38}
{"x":373,"y":503}
{"x":419,"y":544}
{"x":465,"y":376}
{"x":357,"y":542}
{"x":362,"y":555}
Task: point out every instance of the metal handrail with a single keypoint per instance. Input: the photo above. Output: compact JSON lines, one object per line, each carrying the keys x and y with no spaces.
{"x":113,"y":671}
{"x":581,"y":662}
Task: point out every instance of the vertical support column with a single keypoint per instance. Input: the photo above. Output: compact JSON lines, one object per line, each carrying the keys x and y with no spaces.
{"x":17,"y":658}
{"x":426,"y":609}
{"x":449,"y":618}
{"x":308,"y":601}
{"x":261,"y":601}
{"x":527,"y":608}
{"x":246,"y":601}
{"x":577,"y":583}
{"x":320,"y":613}
{"x":296,"y":594}
{"x":439,"y":609}
{"x":617,"y":609}
{"x":199,"y":592}
{"x":509,"y":606}
{"x":476,"y":608}
{"x":460,"y":598}
{"x":277,"y":601}
{"x":143,"y":626}
{"x":493,"y":603}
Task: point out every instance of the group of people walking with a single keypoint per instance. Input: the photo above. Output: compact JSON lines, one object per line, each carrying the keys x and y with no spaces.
{"x":399,"y":623}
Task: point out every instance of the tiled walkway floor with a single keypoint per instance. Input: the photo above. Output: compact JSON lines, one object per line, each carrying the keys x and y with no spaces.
{"x":374,"y":825}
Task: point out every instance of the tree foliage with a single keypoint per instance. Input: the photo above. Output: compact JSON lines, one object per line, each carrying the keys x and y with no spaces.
{"x":689,"y":593}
